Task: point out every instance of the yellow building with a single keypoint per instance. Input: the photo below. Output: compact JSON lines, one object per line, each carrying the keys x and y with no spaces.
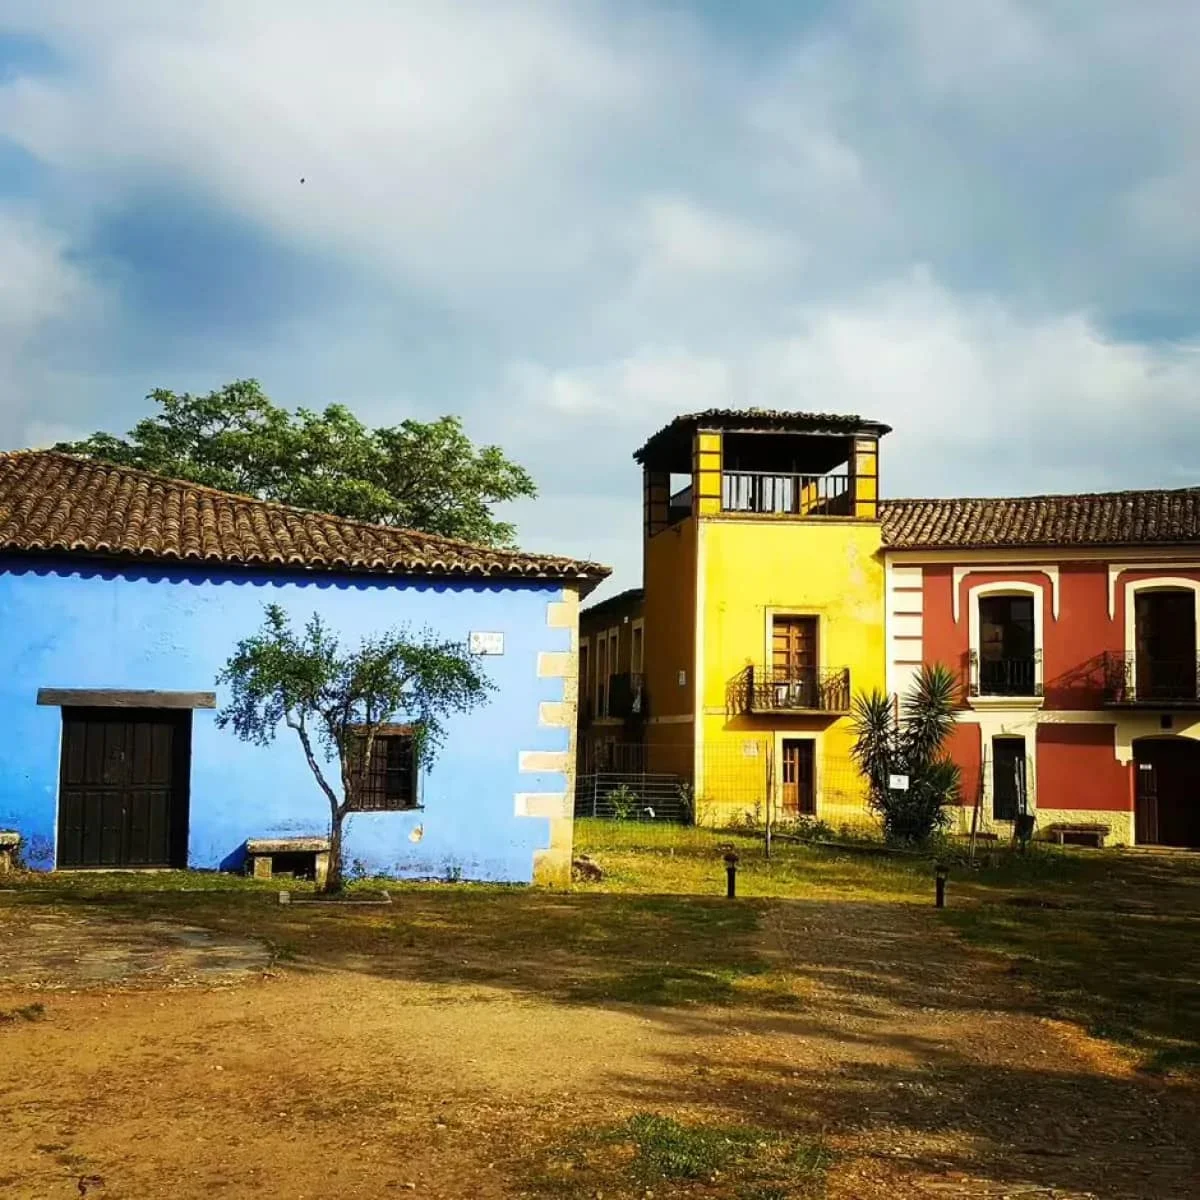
{"x":762,"y":611}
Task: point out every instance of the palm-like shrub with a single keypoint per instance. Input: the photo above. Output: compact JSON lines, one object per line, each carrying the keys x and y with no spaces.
{"x":911,"y":744}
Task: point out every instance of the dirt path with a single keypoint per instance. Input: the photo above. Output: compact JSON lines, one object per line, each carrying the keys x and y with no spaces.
{"x":924,"y":1067}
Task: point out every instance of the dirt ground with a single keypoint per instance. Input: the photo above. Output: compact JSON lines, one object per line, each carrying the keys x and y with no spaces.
{"x":188,"y":1064}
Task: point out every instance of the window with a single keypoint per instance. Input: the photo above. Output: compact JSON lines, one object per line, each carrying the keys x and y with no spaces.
{"x":1007,"y":658}
{"x":585,"y":673}
{"x":1008,"y":778}
{"x":601,"y":675}
{"x":390,"y":782}
{"x":793,"y":668}
{"x":637,"y":653}
{"x":1165,"y":643}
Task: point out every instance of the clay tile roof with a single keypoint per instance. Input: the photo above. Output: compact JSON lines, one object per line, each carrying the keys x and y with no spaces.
{"x":57,"y":503}
{"x":734,"y":420}
{"x":1102,"y":519}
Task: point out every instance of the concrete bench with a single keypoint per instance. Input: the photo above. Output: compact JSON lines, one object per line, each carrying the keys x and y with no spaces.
{"x":1081,"y":834}
{"x":305,"y":857}
{"x":10,"y":845}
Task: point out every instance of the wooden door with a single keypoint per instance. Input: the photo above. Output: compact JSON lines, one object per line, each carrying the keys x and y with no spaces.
{"x":794,"y":661}
{"x":799,"y":793}
{"x":1008,"y":778}
{"x":1165,"y":635}
{"x":1145,"y":805}
{"x":123,"y":788}
{"x":794,"y":643}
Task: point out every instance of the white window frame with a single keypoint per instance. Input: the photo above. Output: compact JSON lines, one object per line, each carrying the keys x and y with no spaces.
{"x":1008,"y":588}
{"x":638,"y":626}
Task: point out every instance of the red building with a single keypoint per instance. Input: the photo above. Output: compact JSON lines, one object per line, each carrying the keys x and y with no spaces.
{"x":1073,"y":621}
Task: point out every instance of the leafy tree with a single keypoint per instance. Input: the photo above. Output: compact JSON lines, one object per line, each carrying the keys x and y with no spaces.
{"x":336,"y":700}
{"x":912,"y":745}
{"x":418,"y":475}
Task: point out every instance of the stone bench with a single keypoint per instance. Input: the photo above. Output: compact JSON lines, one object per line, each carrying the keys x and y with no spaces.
{"x":1079,"y":834}
{"x":10,"y":845}
{"x":295,"y":856}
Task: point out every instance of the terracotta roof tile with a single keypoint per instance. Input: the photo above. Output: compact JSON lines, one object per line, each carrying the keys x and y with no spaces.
{"x":57,"y":503}
{"x":1101,"y":519}
{"x":734,"y":419}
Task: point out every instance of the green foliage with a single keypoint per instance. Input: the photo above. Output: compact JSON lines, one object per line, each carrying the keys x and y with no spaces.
{"x":913,"y":745}
{"x":760,"y":1163}
{"x":622,"y":802}
{"x":341,"y":697}
{"x":417,"y":475}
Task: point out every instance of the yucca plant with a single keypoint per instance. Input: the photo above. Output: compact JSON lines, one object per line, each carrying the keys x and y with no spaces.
{"x":911,"y":743}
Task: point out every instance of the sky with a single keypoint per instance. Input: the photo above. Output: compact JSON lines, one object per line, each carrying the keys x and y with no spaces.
{"x":568,"y":221}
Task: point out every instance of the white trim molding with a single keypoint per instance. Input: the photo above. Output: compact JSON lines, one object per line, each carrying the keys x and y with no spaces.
{"x":1007,"y":588}
{"x":904,"y":624}
{"x":1160,"y":583}
{"x":1115,"y":570}
{"x":1050,"y":570}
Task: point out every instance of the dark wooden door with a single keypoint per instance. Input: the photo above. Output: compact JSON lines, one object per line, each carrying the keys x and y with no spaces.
{"x":1008,"y":778}
{"x":1165,"y":635}
{"x":123,"y":793}
{"x":799,"y":793}
{"x":1167,"y":803}
{"x":1145,"y":807}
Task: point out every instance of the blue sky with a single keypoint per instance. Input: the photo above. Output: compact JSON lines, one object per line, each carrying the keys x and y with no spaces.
{"x":567,"y":221}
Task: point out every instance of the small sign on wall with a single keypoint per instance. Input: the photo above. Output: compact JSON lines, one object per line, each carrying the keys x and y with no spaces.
{"x":750,"y":749}
{"x":487,"y":643}
{"x":898,"y":783}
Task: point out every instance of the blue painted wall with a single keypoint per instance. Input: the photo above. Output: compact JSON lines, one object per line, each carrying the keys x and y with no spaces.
{"x":86,"y":626}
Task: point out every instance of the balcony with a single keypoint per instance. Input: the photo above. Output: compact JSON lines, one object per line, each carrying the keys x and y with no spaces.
{"x":627,"y":700}
{"x":830,"y":495}
{"x":790,"y":689}
{"x":1018,"y":677}
{"x":1149,"y":681}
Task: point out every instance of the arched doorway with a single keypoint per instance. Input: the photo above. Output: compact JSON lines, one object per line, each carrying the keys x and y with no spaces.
{"x":1167,"y":803}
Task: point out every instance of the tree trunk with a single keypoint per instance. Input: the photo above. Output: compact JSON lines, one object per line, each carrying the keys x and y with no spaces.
{"x":333,"y":879}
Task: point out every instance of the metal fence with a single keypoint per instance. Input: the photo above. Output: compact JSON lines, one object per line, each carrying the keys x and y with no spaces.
{"x":634,"y":796}
{"x":750,"y":782}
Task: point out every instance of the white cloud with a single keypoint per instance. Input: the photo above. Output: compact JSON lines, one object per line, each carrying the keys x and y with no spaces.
{"x":681,"y":238}
{"x":424,"y":133}
{"x":596,"y":216}
{"x":41,"y":291}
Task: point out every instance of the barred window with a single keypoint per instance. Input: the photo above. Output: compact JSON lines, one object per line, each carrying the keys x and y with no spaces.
{"x":390,"y":782}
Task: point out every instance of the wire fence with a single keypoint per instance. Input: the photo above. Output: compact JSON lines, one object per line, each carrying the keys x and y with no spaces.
{"x":748,"y":782}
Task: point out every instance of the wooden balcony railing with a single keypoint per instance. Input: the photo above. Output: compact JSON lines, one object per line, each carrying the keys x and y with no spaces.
{"x":1149,"y":679}
{"x":790,"y":494}
{"x":789,"y":689}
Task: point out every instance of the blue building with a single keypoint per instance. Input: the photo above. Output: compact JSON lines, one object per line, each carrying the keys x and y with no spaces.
{"x":122,"y":594}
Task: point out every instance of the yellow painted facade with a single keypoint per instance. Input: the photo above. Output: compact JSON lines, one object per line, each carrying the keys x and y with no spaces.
{"x":757,"y":568}
{"x":714,"y":581}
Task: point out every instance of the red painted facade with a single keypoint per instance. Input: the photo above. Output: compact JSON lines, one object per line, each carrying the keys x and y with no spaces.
{"x":1070,"y":732}
{"x":1077,"y":768}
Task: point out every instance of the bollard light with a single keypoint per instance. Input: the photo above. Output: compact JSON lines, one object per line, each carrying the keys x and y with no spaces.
{"x":731,"y":861}
{"x":940,"y":874}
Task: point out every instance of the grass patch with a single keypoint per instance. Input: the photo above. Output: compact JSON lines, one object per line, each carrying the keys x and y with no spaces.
{"x":27,"y":1012}
{"x":649,"y":1151}
{"x":1126,"y":978}
{"x":643,"y":857}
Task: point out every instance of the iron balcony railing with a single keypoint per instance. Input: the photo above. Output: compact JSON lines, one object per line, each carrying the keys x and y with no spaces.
{"x":1020,"y":675}
{"x":1150,"y":679}
{"x":790,"y":689}
{"x":797,"y":495}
